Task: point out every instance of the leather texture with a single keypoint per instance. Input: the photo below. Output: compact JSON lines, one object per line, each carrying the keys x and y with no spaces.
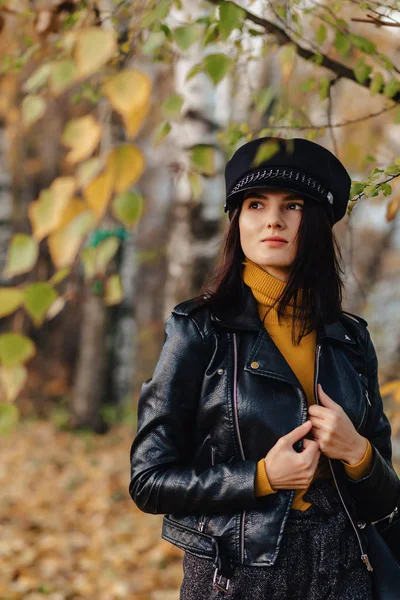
{"x":386,"y":573}
{"x":220,"y":397}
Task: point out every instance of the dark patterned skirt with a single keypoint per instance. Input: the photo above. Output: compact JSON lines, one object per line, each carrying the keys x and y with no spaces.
{"x":319,"y":559}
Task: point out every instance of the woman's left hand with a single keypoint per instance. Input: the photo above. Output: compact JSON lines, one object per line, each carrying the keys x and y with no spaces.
{"x":334,"y":431}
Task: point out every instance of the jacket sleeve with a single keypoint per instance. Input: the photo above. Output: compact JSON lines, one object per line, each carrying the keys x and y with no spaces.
{"x":378,"y":493}
{"x":163,"y":476}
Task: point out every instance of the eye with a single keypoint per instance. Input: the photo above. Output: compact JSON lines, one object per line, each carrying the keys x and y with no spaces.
{"x":295,"y":204}
{"x":254,"y":202}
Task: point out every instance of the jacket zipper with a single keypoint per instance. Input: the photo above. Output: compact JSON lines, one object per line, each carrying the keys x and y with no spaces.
{"x":364,"y":556}
{"x":203,"y":518}
{"x":236,"y":419}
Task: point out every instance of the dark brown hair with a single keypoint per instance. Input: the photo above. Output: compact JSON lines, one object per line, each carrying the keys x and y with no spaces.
{"x":315,"y":270}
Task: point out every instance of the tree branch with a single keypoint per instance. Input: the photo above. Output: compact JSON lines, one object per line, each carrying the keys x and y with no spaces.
{"x":283,"y":38}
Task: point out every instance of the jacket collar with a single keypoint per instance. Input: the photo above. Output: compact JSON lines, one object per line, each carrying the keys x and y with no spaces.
{"x":248,"y":319}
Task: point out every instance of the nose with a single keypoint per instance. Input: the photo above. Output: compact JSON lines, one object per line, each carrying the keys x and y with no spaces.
{"x":273,"y":218}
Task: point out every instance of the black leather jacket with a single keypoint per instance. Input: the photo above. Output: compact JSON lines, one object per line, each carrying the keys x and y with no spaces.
{"x":220,"y":397}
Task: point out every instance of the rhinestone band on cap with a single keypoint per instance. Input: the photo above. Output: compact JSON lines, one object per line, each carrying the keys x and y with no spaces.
{"x":284,"y":174}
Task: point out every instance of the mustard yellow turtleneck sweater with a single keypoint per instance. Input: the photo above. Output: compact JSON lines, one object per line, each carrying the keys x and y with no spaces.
{"x":266,"y":289}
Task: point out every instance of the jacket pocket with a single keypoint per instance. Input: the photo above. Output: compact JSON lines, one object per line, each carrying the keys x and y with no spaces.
{"x":204,"y":518}
{"x":188,"y":538}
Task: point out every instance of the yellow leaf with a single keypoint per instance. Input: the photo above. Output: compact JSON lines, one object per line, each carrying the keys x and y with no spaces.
{"x":13,"y":380}
{"x":64,"y":244}
{"x":129,"y":94}
{"x":127,"y":164}
{"x":94,"y":48}
{"x":88,"y":258}
{"x":82,"y":136}
{"x":88,"y":170}
{"x":74,"y":208}
{"x":33,"y":109}
{"x":45,"y":214}
{"x":22,"y":255}
{"x":392,"y":208}
{"x":11,"y":298}
{"x":113,"y":293}
{"x":98,"y":193}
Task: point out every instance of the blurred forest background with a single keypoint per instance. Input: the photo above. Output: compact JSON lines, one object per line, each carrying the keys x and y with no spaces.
{"x":116,"y":120}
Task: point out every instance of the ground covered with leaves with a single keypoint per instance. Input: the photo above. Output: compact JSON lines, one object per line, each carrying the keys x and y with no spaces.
{"x":69,"y":530}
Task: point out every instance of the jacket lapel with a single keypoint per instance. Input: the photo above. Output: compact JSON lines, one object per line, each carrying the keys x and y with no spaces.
{"x":265,"y":357}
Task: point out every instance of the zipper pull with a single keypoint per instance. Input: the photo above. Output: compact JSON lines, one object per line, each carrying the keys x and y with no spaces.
{"x":201,"y":523}
{"x":368,"y":400}
{"x":365,"y":559}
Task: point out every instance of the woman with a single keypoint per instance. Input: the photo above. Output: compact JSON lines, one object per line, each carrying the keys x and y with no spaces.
{"x":261,"y":435}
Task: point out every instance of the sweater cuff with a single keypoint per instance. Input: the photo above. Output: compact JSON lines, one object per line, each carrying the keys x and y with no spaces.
{"x":262,"y":484}
{"x":362,"y":468}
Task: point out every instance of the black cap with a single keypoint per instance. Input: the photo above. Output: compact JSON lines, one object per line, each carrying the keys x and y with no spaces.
{"x":299,"y":165}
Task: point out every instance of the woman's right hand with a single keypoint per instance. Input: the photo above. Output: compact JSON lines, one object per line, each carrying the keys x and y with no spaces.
{"x":288,"y":469}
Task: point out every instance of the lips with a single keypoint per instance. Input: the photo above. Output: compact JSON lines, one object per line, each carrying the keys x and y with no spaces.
{"x":273,"y":239}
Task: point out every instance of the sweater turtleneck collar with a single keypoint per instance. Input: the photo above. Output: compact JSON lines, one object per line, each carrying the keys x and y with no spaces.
{"x":266,"y":289}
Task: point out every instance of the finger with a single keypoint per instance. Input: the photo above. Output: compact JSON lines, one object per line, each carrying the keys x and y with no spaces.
{"x":297,"y":433}
{"x":310,"y":447}
{"x":316,"y":410}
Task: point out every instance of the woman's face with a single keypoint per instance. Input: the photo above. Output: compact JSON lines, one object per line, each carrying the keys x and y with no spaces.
{"x":269,"y":213}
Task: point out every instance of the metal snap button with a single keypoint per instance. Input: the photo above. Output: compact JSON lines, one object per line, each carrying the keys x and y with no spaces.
{"x":220,"y":371}
{"x":254,"y":365}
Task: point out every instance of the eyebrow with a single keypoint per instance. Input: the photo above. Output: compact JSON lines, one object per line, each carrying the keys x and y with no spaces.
{"x":263,"y":195}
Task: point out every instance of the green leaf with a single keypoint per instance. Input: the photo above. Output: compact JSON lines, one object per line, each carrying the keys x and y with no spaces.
{"x":217,"y":66}
{"x":308,"y":85}
{"x":376,"y":83}
{"x":324,"y":85}
{"x":171,"y":107}
{"x":195,"y":70}
{"x":156,"y":12}
{"x":59,"y":276}
{"x":9,"y":416}
{"x":15,"y":349}
{"x":33,"y":109}
{"x":154,"y":41}
{"x":320,"y":34}
{"x":391,"y":88}
{"x":386,"y":188}
{"x":11,"y":298}
{"x":186,"y":35}
{"x":363,"y":44}
{"x":12,"y":380}
{"x":105,"y":252}
{"x":265,"y":151}
{"x":370,"y":190}
{"x":264,"y":99}
{"x":342,"y":43}
{"x":392,"y":170}
{"x":362,"y":71}
{"x":231,"y":17}
{"x":211,"y":35}
{"x":203,"y":158}
{"x":22,"y":255}
{"x":161,"y":132}
{"x":196,"y":185}
{"x":38,"y":79}
{"x":63,"y":74}
{"x":356,"y":188}
{"x":128,"y":208}
{"x":38,"y":297}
